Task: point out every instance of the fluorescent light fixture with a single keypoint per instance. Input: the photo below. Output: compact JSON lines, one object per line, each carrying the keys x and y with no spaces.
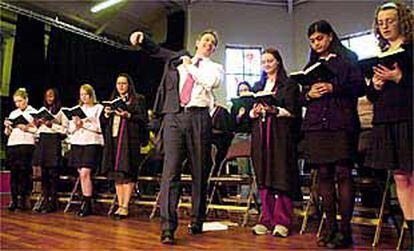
{"x":105,"y":4}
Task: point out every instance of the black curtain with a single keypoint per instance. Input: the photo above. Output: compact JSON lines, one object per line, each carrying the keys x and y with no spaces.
{"x":73,"y":60}
{"x":28,"y":69}
{"x":175,"y":30}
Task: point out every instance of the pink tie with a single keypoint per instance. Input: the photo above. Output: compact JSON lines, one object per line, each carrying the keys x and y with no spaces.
{"x":185,"y":94}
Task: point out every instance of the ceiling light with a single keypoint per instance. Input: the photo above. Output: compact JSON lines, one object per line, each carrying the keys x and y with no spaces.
{"x":100,"y":6}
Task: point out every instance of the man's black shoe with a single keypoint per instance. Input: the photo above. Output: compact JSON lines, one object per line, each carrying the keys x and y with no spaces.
{"x":167,"y":237}
{"x":195,"y":228}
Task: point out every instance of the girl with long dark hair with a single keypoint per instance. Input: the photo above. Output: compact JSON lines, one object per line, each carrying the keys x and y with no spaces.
{"x":274,"y":146}
{"x":330,"y":128}
{"x":125,"y":132}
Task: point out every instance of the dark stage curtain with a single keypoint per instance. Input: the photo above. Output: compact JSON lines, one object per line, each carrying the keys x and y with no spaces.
{"x":28,"y":68}
{"x":73,"y":60}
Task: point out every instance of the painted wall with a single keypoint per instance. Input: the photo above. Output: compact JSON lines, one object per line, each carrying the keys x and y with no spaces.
{"x":247,"y":24}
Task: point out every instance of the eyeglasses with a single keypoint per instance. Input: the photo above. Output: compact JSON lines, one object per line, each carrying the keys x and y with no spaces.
{"x":388,"y":22}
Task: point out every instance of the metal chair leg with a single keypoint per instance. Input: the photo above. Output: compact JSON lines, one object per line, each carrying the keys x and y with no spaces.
{"x":381,"y":212}
{"x":154,"y":208}
{"x":312,"y":199}
{"x":401,"y":237}
{"x":72,"y":194}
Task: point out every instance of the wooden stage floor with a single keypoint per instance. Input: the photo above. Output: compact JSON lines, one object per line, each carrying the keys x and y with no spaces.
{"x":56,"y":231}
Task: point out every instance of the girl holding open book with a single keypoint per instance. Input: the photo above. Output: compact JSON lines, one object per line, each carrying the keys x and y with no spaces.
{"x":274,"y":145}
{"x":391,"y":92}
{"x":86,"y":144}
{"x":331,"y":127}
{"x":125,"y":131}
{"x":21,"y":131}
{"x":48,"y":152}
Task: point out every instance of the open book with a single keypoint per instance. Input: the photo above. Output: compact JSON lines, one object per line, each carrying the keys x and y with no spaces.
{"x":116,"y":104}
{"x":386,"y":59}
{"x":44,"y":114}
{"x":74,"y":111}
{"x":318,"y":72}
{"x":19,"y":120}
{"x":251,"y":98}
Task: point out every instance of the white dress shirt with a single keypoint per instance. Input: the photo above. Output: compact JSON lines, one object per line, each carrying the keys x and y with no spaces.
{"x":18,"y":136}
{"x":208,"y":76}
{"x":90,"y":133}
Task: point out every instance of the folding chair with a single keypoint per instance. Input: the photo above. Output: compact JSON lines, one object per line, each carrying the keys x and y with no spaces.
{"x":240,"y":149}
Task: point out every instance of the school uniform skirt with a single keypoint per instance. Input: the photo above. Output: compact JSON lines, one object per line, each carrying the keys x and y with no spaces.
{"x":324,"y":147}
{"x":391,"y":147}
{"x":48,"y":152}
{"x":88,"y":156}
{"x":19,"y":156}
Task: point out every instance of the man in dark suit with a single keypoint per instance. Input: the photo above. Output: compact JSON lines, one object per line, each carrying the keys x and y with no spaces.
{"x":183,"y":98}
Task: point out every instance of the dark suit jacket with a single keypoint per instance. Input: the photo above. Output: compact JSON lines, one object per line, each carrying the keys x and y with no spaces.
{"x":167,"y":99}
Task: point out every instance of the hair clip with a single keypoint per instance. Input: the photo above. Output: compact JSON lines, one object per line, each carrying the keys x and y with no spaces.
{"x":389,"y":5}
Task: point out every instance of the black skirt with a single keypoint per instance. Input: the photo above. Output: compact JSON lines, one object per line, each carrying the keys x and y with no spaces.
{"x":88,"y":156}
{"x":48,"y":152}
{"x":391,"y":147}
{"x":19,"y":156}
{"x":329,"y":147}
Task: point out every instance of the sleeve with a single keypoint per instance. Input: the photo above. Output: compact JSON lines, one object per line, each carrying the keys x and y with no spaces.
{"x":353,"y":85}
{"x":139,"y":115}
{"x":372,"y":93}
{"x":406,"y":67}
{"x":209,"y":77}
{"x":93,"y":123}
{"x":138,"y":112}
{"x":60,"y":127}
{"x":155,"y":50}
{"x":291,"y":106}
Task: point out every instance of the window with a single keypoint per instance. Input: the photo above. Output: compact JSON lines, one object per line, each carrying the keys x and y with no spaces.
{"x":242,"y":64}
{"x":364,"y":44}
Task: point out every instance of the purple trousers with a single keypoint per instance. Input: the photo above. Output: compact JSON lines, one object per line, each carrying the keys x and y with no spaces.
{"x":276,"y":209}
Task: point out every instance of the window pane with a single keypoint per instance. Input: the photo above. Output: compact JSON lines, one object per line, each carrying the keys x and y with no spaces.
{"x":252,"y":61}
{"x":234,"y":60}
{"x":252,"y":79}
{"x":231,"y":85}
{"x":242,"y":64}
{"x":364,"y":46}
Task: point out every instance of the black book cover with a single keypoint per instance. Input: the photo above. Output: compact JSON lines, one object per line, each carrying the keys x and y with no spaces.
{"x":116,"y":104}
{"x":74,"y":111}
{"x":247,"y":101}
{"x":19,"y":120}
{"x":386,"y":59}
{"x":44,"y":114}
{"x":317,"y":72}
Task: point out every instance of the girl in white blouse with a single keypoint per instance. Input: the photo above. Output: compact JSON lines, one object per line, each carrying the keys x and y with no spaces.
{"x":20,"y":130}
{"x":86,"y":144}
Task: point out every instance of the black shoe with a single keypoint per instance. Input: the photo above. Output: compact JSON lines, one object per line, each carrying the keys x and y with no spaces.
{"x":325,"y":239}
{"x":195,"y":228}
{"x":86,"y":209}
{"x":340,"y":241}
{"x":112,"y":212}
{"x":24,"y":203}
{"x":50,"y":207}
{"x":39,"y":205}
{"x":167,"y":237}
{"x":122,"y":213}
{"x":12,"y":206}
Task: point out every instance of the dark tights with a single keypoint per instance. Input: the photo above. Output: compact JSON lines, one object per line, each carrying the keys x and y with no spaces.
{"x":345,"y":198}
{"x":50,"y":178}
{"x":20,"y":181}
